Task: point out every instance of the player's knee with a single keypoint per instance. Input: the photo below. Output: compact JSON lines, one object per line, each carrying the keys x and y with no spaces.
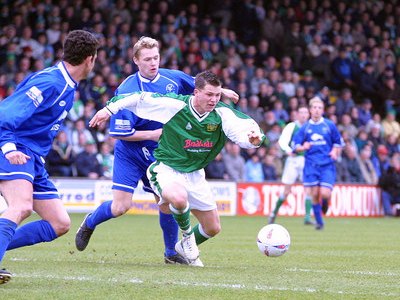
{"x":214,"y":229}
{"x":25,"y":211}
{"x":121,"y":206}
{"x":62,"y":226}
{"x":120,"y":209}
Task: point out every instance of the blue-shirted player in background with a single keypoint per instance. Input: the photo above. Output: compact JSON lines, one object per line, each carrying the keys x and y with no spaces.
{"x":29,"y":120}
{"x":137,"y":138}
{"x":321,"y":141}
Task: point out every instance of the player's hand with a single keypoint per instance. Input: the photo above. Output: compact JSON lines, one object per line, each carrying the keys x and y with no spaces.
{"x":255,"y":138}
{"x":231,"y":95}
{"x":333,"y":154}
{"x":101,"y":116}
{"x":17,"y":157}
{"x":306,"y":145}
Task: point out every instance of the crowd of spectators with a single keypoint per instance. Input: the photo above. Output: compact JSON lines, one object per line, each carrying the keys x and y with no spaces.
{"x":275,"y":54}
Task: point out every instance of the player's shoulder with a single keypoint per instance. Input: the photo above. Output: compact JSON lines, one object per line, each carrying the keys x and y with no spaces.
{"x":173,"y":74}
{"x":49,"y":78}
{"x":129,"y":84}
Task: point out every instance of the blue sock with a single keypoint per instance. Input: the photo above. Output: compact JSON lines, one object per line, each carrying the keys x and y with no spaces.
{"x":318,"y":213}
{"x":100,"y":215}
{"x":32,"y":233}
{"x":7,"y":230}
{"x":170,"y":231}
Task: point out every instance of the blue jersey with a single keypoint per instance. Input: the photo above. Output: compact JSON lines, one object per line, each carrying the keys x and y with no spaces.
{"x":33,"y":114}
{"x":323,"y":136}
{"x":133,"y":157}
{"x":125,"y":123}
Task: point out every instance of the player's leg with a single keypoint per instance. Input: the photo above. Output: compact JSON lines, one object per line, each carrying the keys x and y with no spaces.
{"x":311,"y":182}
{"x":282,"y":198}
{"x":18,"y":195}
{"x":328,"y":177}
{"x":16,"y":188}
{"x":325,"y":196}
{"x":120,"y":204}
{"x":307,"y":197}
{"x":289,"y":176}
{"x":55,"y":220}
{"x":171,"y":185}
{"x":208,"y":227}
{"x":126,"y":175}
{"x":314,"y":192}
{"x":169,"y":228}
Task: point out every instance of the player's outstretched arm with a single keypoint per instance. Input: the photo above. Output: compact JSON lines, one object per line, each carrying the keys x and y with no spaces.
{"x":230,"y":94}
{"x":100,"y":117}
{"x":256,"y":138}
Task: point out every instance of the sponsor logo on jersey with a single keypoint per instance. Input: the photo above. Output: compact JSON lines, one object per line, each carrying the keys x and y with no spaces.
{"x":146,"y":153}
{"x":198,"y":144}
{"x":122,"y":124}
{"x":317,"y":139}
{"x":188,"y":126}
{"x":170,"y":88}
{"x":36,"y":95}
{"x":211,"y":127}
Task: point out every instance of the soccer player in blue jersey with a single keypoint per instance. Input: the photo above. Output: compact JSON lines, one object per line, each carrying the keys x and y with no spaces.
{"x":30,"y":119}
{"x":137,"y":139}
{"x":321,"y":141}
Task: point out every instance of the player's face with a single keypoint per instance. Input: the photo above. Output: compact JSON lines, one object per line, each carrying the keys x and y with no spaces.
{"x":207,"y":98}
{"x":303,"y":115}
{"x":148,"y":62}
{"x":316,"y":111}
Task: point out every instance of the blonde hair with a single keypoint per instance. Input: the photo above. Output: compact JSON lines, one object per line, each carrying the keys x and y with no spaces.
{"x":315,"y":100}
{"x":144,"y":42}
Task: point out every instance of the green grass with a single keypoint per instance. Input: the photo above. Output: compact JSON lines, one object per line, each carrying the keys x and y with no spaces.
{"x":350,"y":259}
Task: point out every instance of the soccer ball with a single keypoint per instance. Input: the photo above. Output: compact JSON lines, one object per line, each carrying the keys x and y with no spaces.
{"x":273,"y":240}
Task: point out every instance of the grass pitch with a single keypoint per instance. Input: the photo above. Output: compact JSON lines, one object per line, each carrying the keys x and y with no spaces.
{"x":350,"y":259}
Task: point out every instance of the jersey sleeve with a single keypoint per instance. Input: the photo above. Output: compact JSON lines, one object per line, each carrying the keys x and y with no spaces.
{"x":286,"y":138}
{"x":337,"y":139}
{"x":32,"y":94}
{"x":122,"y":124}
{"x":151,"y":106}
{"x":237,"y":125}
{"x":186,"y":86}
{"x":299,"y":137}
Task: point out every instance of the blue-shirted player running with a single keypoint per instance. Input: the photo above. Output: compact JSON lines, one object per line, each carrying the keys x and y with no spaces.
{"x":29,"y":120}
{"x":137,"y":139}
{"x":321,"y":141}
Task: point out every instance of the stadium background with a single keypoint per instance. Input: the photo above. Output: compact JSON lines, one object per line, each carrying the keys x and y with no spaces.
{"x":275,"y":54}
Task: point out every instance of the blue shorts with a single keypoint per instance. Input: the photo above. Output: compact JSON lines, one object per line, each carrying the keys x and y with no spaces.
{"x":129,"y":169}
{"x":317,"y":175}
{"x":33,"y":171}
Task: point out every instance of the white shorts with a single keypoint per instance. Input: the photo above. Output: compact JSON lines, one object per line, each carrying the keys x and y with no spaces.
{"x":199,"y":192}
{"x":293,"y":169}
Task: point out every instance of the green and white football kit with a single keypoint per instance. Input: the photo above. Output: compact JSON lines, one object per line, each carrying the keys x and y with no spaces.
{"x":189,"y":140}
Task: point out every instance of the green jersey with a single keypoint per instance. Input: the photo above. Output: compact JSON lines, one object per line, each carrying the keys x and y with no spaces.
{"x":285,"y":140}
{"x":189,"y":140}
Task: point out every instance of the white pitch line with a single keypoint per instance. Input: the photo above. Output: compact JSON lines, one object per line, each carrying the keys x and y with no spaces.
{"x":366,"y":273}
{"x":196,"y":284}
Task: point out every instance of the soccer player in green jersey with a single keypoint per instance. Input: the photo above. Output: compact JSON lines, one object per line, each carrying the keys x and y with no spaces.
{"x":294,"y":165}
{"x":195,"y":130}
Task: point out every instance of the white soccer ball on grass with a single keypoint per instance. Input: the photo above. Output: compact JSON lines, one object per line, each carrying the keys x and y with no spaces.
{"x":273,"y":240}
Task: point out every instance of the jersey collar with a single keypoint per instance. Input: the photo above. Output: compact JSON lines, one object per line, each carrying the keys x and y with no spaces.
{"x":146,"y":80}
{"x":66,"y":75}
{"x":195,"y":113}
{"x":318,"y":122}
